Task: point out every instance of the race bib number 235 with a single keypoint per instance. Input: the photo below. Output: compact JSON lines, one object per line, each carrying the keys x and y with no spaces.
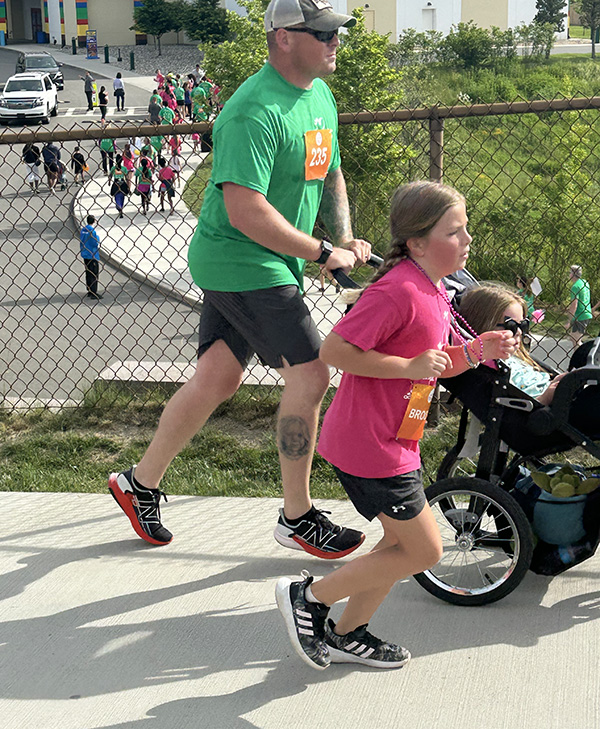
{"x":318,"y":153}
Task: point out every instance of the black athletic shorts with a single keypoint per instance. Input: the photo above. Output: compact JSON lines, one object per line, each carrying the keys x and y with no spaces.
{"x":274,"y":323}
{"x":399,"y":497}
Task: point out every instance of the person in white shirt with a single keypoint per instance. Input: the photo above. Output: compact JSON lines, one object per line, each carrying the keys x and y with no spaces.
{"x":119,"y":92}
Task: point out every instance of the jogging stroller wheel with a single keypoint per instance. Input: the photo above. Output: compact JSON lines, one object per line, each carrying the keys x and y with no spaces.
{"x":453,"y":465}
{"x":487,"y":542}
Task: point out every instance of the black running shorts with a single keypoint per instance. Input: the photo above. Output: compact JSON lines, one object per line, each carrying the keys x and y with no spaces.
{"x":399,"y":497}
{"x":274,"y":323}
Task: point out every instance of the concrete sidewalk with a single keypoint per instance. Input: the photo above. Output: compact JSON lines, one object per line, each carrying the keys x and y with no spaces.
{"x":98,"y":629}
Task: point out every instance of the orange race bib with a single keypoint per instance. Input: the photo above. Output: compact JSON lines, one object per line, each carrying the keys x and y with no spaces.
{"x":415,"y":417}
{"x":318,"y":153}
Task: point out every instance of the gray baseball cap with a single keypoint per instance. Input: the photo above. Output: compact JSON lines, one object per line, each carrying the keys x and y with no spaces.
{"x":314,"y":14}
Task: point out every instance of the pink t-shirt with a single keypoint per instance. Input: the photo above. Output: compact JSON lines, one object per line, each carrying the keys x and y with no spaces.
{"x":401,"y":315}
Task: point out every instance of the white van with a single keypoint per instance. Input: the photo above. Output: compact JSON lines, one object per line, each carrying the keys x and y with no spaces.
{"x":28,"y":96}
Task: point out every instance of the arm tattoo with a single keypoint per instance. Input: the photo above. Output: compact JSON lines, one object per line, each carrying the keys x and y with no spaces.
{"x":334,"y":209}
{"x":293,"y":438}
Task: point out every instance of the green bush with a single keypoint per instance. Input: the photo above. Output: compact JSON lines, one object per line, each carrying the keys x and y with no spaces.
{"x":467,"y":45}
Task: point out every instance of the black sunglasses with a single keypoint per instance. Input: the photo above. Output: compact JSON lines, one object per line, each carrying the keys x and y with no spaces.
{"x":512,"y":325}
{"x":325,"y":36}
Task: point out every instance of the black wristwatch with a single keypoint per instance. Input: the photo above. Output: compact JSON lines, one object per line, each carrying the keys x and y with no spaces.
{"x":326,"y":251}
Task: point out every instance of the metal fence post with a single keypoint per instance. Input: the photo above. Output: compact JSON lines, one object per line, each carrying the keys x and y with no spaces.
{"x":106,"y":57}
{"x":436,"y":173}
{"x":74,"y":46}
{"x":436,"y":149}
{"x":131,"y":61}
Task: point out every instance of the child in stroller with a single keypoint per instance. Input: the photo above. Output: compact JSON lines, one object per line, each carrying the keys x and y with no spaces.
{"x":483,"y":515}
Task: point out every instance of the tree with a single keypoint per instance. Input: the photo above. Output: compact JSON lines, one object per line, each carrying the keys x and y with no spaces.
{"x":206,"y":21}
{"x":589,"y":12}
{"x":154,"y":17}
{"x":551,"y":11}
{"x":179,"y":11}
{"x":230,"y":63}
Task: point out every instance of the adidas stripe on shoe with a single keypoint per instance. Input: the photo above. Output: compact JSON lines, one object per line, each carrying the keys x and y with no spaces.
{"x":304,"y":621}
{"x":317,"y":535}
{"x":141,"y":506}
{"x":360,"y":646}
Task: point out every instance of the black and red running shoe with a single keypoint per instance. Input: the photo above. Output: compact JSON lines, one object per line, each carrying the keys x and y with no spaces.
{"x":317,"y":535}
{"x":141,"y":505}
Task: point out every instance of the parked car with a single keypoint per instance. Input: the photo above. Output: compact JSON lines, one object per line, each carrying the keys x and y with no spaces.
{"x":42,"y":62}
{"x":28,"y":96}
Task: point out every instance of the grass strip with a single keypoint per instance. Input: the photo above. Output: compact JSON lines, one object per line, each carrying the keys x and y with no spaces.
{"x":234,"y":455}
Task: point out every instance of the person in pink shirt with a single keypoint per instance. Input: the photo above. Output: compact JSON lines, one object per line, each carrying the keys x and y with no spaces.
{"x":166,"y":184}
{"x":391,"y":347}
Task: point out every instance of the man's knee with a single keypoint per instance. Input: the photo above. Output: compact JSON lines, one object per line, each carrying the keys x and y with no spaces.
{"x":311,"y":379}
{"x":218,"y":373}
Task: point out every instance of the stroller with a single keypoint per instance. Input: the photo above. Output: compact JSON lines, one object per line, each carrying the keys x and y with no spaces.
{"x":484,"y":499}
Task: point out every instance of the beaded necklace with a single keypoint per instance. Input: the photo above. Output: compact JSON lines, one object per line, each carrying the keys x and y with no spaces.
{"x":455,"y":316}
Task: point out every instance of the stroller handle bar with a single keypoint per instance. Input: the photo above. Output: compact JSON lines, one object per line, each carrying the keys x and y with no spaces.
{"x":346,"y":282}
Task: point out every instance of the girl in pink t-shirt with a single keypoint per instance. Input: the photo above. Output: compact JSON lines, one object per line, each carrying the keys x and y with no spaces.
{"x":391,"y":347}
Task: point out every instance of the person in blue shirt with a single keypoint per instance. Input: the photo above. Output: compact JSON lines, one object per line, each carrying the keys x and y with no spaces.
{"x":90,"y":252}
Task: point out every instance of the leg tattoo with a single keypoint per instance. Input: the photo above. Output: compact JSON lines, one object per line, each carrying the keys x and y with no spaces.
{"x":293,"y":437}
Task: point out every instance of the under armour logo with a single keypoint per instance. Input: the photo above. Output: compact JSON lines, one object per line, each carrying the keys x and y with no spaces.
{"x":396,"y":509}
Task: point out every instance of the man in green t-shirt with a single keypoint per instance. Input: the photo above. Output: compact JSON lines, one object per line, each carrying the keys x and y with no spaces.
{"x":166,"y":114}
{"x":580,"y":310}
{"x":276,"y":164}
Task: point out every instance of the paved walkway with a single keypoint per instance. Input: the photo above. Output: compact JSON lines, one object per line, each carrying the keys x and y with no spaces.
{"x":98,"y":629}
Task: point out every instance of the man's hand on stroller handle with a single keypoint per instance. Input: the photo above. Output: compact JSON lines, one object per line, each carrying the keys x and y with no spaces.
{"x":361,"y":249}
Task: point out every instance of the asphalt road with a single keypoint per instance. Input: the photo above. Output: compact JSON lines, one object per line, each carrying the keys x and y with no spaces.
{"x":72,"y":96}
{"x":53,"y":340}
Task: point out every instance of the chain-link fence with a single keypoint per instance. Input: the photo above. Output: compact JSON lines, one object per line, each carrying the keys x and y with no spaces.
{"x":529,"y":171}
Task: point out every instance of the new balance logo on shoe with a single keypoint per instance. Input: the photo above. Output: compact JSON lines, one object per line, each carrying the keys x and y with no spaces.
{"x":141,"y":505}
{"x":317,"y":535}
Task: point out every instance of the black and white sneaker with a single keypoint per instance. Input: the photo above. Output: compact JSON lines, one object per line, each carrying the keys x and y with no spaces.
{"x":317,"y":535}
{"x":141,"y":505}
{"x":359,"y":646}
{"x":305,"y":621}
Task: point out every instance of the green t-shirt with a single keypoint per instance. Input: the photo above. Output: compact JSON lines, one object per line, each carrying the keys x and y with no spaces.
{"x":580,"y":290}
{"x":259,"y":143}
{"x":143,"y":177}
{"x":179,"y":93}
{"x":167,"y":115}
{"x":118,"y":173}
{"x":108,"y":145}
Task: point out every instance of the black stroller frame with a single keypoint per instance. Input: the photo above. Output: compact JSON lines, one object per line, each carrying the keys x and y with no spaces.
{"x":485,"y":523}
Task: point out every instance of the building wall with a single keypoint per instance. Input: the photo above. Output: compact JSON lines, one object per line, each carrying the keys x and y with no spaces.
{"x":521,"y":11}
{"x":25,"y":18}
{"x":111,"y":19}
{"x":380,"y":15}
{"x":427,"y":14}
{"x":486,"y":13}
{"x":54,"y":20}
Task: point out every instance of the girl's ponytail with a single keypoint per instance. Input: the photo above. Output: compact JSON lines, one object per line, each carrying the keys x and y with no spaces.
{"x":415,"y":209}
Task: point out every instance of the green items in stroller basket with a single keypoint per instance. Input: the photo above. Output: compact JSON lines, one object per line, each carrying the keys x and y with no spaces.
{"x":562,"y":503}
